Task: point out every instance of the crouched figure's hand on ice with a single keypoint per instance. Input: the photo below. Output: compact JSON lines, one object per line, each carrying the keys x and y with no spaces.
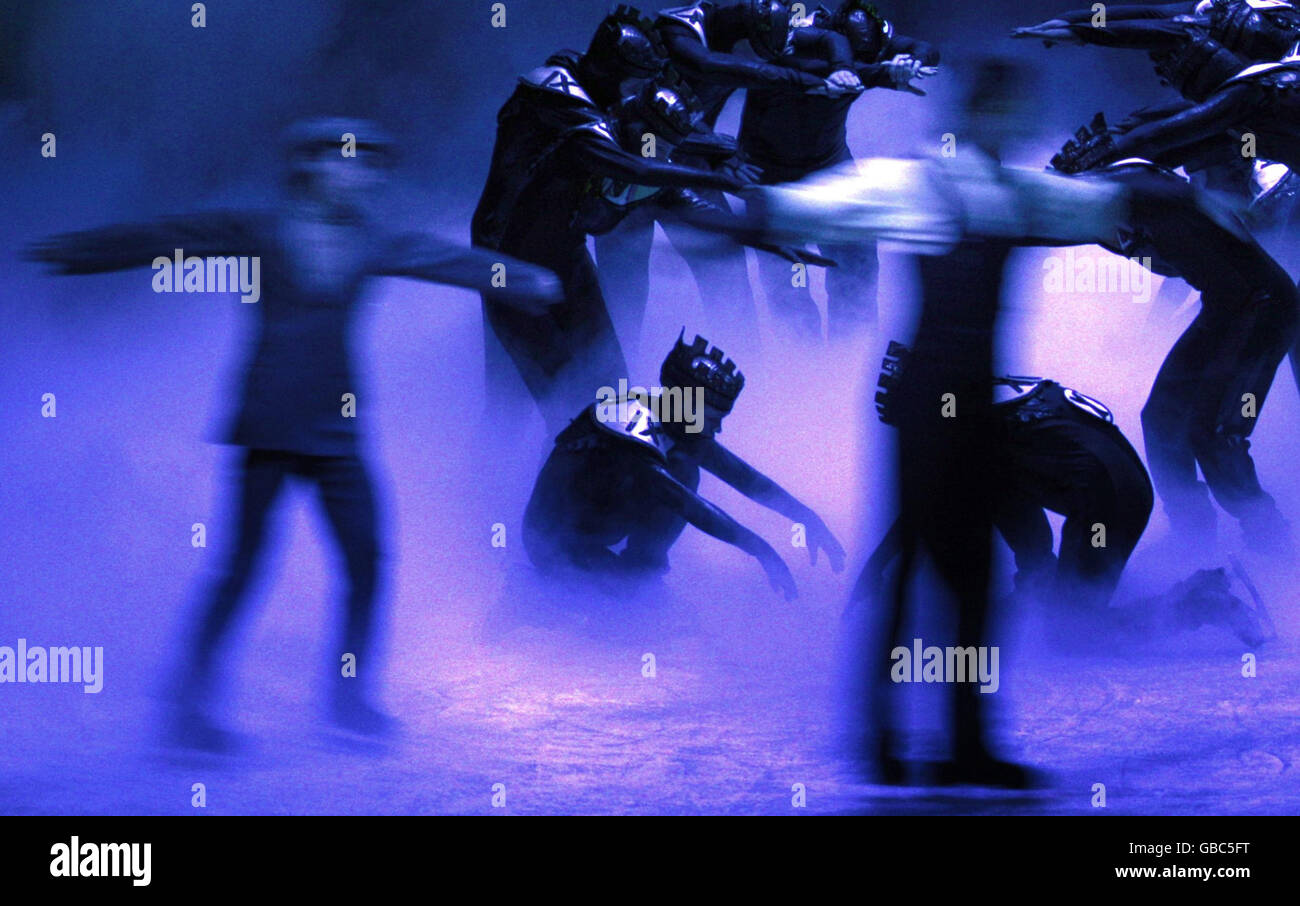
{"x":820,"y":538}
{"x":778,"y":574}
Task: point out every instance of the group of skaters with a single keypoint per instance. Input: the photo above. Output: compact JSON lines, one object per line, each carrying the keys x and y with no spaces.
{"x":609,"y":142}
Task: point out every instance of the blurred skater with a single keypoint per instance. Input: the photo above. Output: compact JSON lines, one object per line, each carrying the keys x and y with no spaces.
{"x":298,"y":411}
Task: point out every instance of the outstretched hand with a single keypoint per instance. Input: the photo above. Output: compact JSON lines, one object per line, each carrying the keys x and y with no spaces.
{"x":1053,"y":31}
{"x":49,"y":250}
{"x":778,"y":574}
{"x":838,"y":85}
{"x":796,"y":255}
{"x":846,"y":80}
{"x":820,"y":538}
{"x":904,"y":68}
{"x":744,"y":173}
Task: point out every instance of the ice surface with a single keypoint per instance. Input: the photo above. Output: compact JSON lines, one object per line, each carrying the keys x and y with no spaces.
{"x":495,"y":678}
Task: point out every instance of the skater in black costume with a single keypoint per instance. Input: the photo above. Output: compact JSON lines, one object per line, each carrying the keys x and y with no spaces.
{"x":1055,"y":449}
{"x":791,"y":136}
{"x":620,"y":474}
{"x":556,"y":146}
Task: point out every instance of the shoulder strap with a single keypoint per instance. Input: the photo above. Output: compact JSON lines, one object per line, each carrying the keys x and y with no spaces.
{"x":690,"y":16}
{"x":559,"y":80}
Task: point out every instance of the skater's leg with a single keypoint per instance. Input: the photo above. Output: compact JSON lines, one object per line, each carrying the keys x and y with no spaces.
{"x":1247,"y":321}
{"x":593,"y":355}
{"x":883,"y":747}
{"x":1106,"y":505}
{"x":567,"y":354}
{"x":348,"y":499}
{"x":1021,"y":522}
{"x":1169,"y":420}
{"x":262,"y":474}
{"x":1224,"y":451}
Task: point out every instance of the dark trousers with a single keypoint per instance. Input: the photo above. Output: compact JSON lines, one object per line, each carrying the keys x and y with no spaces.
{"x":567,"y":354}
{"x":1084,"y":469}
{"x":1077,"y":466}
{"x":1194,"y":415}
{"x":349,"y":502}
{"x":945,"y":457}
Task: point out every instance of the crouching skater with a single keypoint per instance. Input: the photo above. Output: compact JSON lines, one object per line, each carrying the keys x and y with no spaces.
{"x":618,"y":473}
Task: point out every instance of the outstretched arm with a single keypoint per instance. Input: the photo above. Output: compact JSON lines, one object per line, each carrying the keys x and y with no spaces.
{"x":706,"y":517}
{"x":697,"y":211}
{"x":122,"y":246}
{"x":596,"y":151}
{"x":824,"y":44}
{"x":1166,"y":138}
{"x":692,"y":57}
{"x":1151,"y":113}
{"x":870,"y":585}
{"x":422,"y":256}
{"x":1125,"y":11}
{"x":902,"y":60}
{"x":758,"y":487}
{"x":924,"y":51}
{"x":1136,"y":26}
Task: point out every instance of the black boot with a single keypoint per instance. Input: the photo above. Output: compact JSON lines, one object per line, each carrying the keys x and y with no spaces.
{"x":981,"y":768}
